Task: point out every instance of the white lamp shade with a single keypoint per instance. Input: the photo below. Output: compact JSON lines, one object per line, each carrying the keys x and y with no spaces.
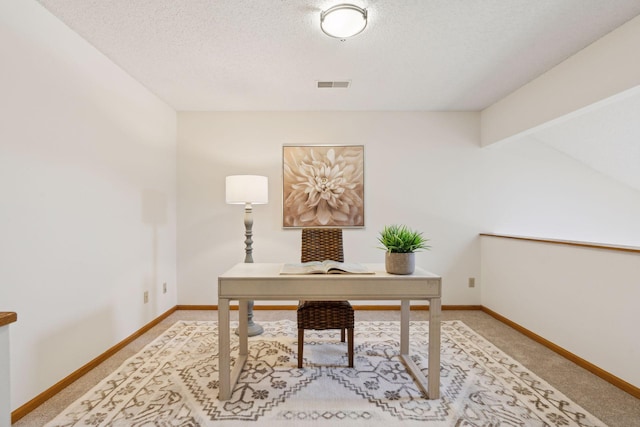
{"x":241,"y":189}
{"x":344,"y":20}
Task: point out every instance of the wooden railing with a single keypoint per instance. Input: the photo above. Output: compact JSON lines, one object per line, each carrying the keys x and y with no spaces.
{"x":7,"y":318}
{"x":619,"y":248}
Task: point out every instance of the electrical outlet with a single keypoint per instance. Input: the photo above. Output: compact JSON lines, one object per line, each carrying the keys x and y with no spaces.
{"x":472,"y":282}
{"x":164,"y":288}
{"x":146,"y":297}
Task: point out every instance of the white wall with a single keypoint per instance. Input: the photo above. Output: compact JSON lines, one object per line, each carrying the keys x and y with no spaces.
{"x":580,"y":299}
{"x":531,"y":189}
{"x":421,"y":169}
{"x":584,"y":300}
{"x":87,"y":184}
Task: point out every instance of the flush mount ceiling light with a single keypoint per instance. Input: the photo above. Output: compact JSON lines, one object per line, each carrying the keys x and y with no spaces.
{"x":343,"y":20}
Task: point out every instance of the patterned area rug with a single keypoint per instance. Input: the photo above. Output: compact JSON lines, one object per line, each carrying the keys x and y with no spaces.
{"x":174,"y":382}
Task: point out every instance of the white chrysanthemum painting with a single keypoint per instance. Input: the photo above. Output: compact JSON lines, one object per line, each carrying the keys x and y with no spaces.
{"x":323,"y":186}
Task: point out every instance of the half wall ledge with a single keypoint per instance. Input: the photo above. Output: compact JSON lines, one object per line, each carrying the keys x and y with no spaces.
{"x":7,"y":318}
{"x":591,"y":245}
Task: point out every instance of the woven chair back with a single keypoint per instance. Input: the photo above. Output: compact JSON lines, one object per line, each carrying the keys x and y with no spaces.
{"x":319,"y":244}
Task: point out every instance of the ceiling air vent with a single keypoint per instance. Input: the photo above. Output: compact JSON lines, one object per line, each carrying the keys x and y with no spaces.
{"x":326,"y":84}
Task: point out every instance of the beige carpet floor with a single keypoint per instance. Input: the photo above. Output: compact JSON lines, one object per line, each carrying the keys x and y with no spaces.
{"x":611,"y":405}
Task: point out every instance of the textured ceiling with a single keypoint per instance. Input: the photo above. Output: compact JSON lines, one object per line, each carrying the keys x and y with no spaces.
{"x":438,"y":55}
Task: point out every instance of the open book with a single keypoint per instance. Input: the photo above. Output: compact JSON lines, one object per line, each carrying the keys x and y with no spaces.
{"x":325,"y":267}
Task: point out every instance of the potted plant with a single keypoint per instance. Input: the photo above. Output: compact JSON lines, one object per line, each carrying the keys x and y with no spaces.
{"x":400,"y":243}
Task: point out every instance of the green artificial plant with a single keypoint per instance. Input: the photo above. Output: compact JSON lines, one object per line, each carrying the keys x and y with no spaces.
{"x":402,"y":239}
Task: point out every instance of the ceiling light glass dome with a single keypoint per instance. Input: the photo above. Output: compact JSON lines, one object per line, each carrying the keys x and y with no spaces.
{"x":343,"y":20}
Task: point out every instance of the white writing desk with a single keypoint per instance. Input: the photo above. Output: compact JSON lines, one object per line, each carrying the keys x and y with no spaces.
{"x":259,"y":281}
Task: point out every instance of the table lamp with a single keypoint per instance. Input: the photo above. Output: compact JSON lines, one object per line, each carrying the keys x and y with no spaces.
{"x":247,"y":190}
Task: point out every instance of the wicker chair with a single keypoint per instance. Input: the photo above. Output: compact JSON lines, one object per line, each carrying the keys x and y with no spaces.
{"x":319,"y":244}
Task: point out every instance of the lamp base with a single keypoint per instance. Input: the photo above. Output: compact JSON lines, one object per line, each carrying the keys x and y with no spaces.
{"x":253,"y":329}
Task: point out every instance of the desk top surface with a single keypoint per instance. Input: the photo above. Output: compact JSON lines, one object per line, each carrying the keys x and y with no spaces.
{"x":264,"y":281}
{"x":272,"y":271}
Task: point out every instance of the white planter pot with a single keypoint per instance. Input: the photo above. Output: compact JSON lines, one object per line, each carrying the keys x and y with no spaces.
{"x":400,"y":263}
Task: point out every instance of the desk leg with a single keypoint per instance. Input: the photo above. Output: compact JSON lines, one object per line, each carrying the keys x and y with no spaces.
{"x":229,"y":378}
{"x":434,"y":349}
{"x":414,"y":370}
{"x":224,"y":350}
{"x":243,"y":313}
{"x":405,"y":314}
{"x":243,"y":353}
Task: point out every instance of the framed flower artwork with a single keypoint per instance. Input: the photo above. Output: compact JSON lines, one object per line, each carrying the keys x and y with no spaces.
{"x":323,"y":186}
